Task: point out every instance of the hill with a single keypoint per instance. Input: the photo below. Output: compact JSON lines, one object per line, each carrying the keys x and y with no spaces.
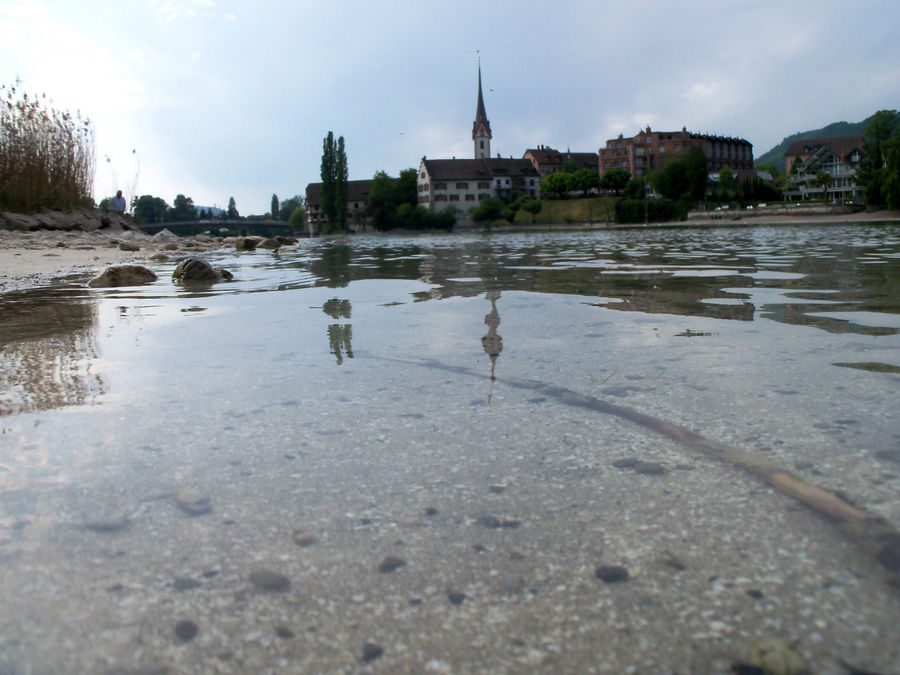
{"x":776,"y":155}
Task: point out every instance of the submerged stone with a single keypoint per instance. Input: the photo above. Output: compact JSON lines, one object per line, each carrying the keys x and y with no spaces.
{"x":268,"y":580}
{"x":123,"y":275}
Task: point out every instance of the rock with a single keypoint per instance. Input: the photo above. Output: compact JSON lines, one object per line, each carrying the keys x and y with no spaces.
{"x":889,"y":551}
{"x":164,"y":236}
{"x":777,"y":656}
{"x":456,"y":597}
{"x":497,"y":488}
{"x":128,"y":246}
{"x":192,"y":502}
{"x":489,"y":521}
{"x":186,"y":630}
{"x":284,"y":632}
{"x":123,"y":275}
{"x":611,"y":574}
{"x":303,"y":538}
{"x":270,"y":244}
{"x":888,"y":455}
{"x":198,"y":270}
{"x":159,"y":257}
{"x":625,"y":463}
{"x":185,"y":584}
{"x":371,"y":651}
{"x":431,"y":511}
{"x":391,"y":563}
{"x":106,"y":523}
{"x":286,"y":241}
{"x":649,"y":468}
{"x":270,"y":581}
{"x":246,"y":243}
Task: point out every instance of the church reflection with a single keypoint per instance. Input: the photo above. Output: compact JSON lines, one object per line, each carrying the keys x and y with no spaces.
{"x":491,"y":342}
{"x":49,"y":346}
{"x":339,"y":334}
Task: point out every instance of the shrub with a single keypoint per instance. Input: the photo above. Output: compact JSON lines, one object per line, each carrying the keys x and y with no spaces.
{"x":46,"y":156}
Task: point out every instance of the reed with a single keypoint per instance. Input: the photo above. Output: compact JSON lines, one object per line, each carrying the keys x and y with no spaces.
{"x":46,"y":155}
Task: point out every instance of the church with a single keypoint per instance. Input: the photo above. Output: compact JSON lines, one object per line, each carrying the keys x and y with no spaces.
{"x":465,"y":183}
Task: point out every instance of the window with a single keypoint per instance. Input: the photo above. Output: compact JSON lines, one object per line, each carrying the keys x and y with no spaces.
{"x":462,"y":186}
{"x":470,"y":198}
{"x":483,"y":185}
{"x":483,"y":196}
{"x":482,"y":145}
{"x":440,"y":198}
{"x":454,"y":198}
{"x":440,"y":186}
{"x":422,"y":175}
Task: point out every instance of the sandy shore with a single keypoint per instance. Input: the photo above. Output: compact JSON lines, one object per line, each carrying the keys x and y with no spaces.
{"x":29,"y":259}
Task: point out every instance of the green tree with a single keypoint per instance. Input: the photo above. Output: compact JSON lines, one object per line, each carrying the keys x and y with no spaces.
{"x":569,"y":166}
{"x":407,"y":187}
{"x":297,"y":219}
{"x":149,"y":210}
{"x":274,"y":211}
{"x":697,"y":172}
{"x":232,"y":209}
{"x":671,"y":181}
{"x":583,"y":180}
{"x":288,"y":206}
{"x":382,"y":201}
{"x":615,"y":179}
{"x":634,"y":189}
{"x":726,"y":179}
{"x":328,"y":176}
{"x":824,"y":180}
{"x":182,"y":210}
{"x":880,"y":169}
{"x":556,"y":184}
{"x":340,"y":185}
{"x":489,"y":210}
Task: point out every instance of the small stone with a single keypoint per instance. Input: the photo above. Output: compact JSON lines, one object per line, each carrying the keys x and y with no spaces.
{"x":626,"y":463}
{"x":456,"y":598}
{"x":303,"y":538}
{"x":284,"y":632}
{"x":497,"y":488}
{"x":371,"y":651}
{"x":889,"y":455}
{"x":192,"y":502}
{"x":390,"y":564}
{"x":185,"y":584}
{"x":269,"y":581}
{"x":511,"y":524}
{"x":777,"y":656}
{"x":123,"y":275}
{"x":128,"y":246}
{"x":106,"y":524}
{"x":755,"y":593}
{"x":612,"y":574}
{"x":649,"y":468}
{"x":431,"y":511}
{"x":489,"y":521}
{"x":186,"y":630}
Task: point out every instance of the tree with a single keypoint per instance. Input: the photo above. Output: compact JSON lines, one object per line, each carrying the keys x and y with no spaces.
{"x":556,"y":184}
{"x":329,"y":177}
{"x":182,"y":210}
{"x":232,"y":209}
{"x":583,"y":180}
{"x":340,"y":185}
{"x":382,"y":201}
{"x":569,"y":166}
{"x":489,"y":210}
{"x":824,"y":180}
{"x":287,"y":207}
{"x":880,"y":169}
{"x":634,"y":189}
{"x":697,"y":172}
{"x":615,"y":179}
{"x":149,"y":210}
{"x":274,"y":211}
{"x":407,"y":187}
{"x":726,"y":178}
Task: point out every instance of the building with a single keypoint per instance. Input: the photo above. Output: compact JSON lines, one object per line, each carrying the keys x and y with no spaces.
{"x":807,"y":160}
{"x":548,"y":161}
{"x":465,"y":183}
{"x":648,"y":151}
{"x":357,"y":203}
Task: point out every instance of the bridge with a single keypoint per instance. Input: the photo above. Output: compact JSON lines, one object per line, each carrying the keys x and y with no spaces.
{"x":224,"y":228}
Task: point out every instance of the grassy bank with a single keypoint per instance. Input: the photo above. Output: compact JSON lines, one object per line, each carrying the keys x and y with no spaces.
{"x":566,"y":211}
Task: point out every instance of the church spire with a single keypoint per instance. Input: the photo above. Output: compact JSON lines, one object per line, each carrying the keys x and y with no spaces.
{"x":481,"y":129}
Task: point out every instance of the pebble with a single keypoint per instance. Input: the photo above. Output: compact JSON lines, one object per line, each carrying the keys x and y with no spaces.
{"x":284,"y":632}
{"x":649,"y":468}
{"x":268,"y":580}
{"x":612,"y":574}
{"x":456,"y":597}
{"x":431,"y":511}
{"x":106,"y":524}
{"x":371,"y":651}
{"x":186,"y":630}
{"x":391,"y":563}
{"x":626,"y":463}
{"x":303,"y":538}
{"x":185,"y":583}
{"x":192,"y":502}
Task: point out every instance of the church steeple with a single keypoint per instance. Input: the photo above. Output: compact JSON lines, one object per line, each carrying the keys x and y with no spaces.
{"x":481,"y":129}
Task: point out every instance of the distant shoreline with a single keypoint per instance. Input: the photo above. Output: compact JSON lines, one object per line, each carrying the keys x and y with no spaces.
{"x":37,"y":258}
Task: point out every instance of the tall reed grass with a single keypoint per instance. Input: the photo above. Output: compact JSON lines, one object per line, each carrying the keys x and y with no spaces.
{"x":46,"y":155}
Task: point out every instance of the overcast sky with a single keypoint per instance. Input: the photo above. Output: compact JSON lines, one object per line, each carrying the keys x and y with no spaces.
{"x":221,"y":98}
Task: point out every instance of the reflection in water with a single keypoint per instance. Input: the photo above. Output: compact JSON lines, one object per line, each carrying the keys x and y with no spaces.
{"x":491,"y":342}
{"x":334,"y":265}
{"x":339,"y":335}
{"x":49,"y":344}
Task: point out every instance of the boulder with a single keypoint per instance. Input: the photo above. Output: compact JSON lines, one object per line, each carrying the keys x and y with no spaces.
{"x":271,"y":244}
{"x":286,"y":241}
{"x":197,"y":270}
{"x":123,"y":275}
{"x":247,"y":243}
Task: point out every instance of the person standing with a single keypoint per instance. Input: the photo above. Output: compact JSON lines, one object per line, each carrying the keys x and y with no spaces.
{"x":117,"y":203}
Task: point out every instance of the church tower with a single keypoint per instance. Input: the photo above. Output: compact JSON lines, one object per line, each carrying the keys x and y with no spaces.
{"x":481,"y":129}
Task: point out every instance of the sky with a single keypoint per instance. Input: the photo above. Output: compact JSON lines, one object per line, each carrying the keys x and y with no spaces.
{"x":216,"y":99}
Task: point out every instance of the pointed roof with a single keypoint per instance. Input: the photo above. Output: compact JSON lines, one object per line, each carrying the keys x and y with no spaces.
{"x":481,"y":120}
